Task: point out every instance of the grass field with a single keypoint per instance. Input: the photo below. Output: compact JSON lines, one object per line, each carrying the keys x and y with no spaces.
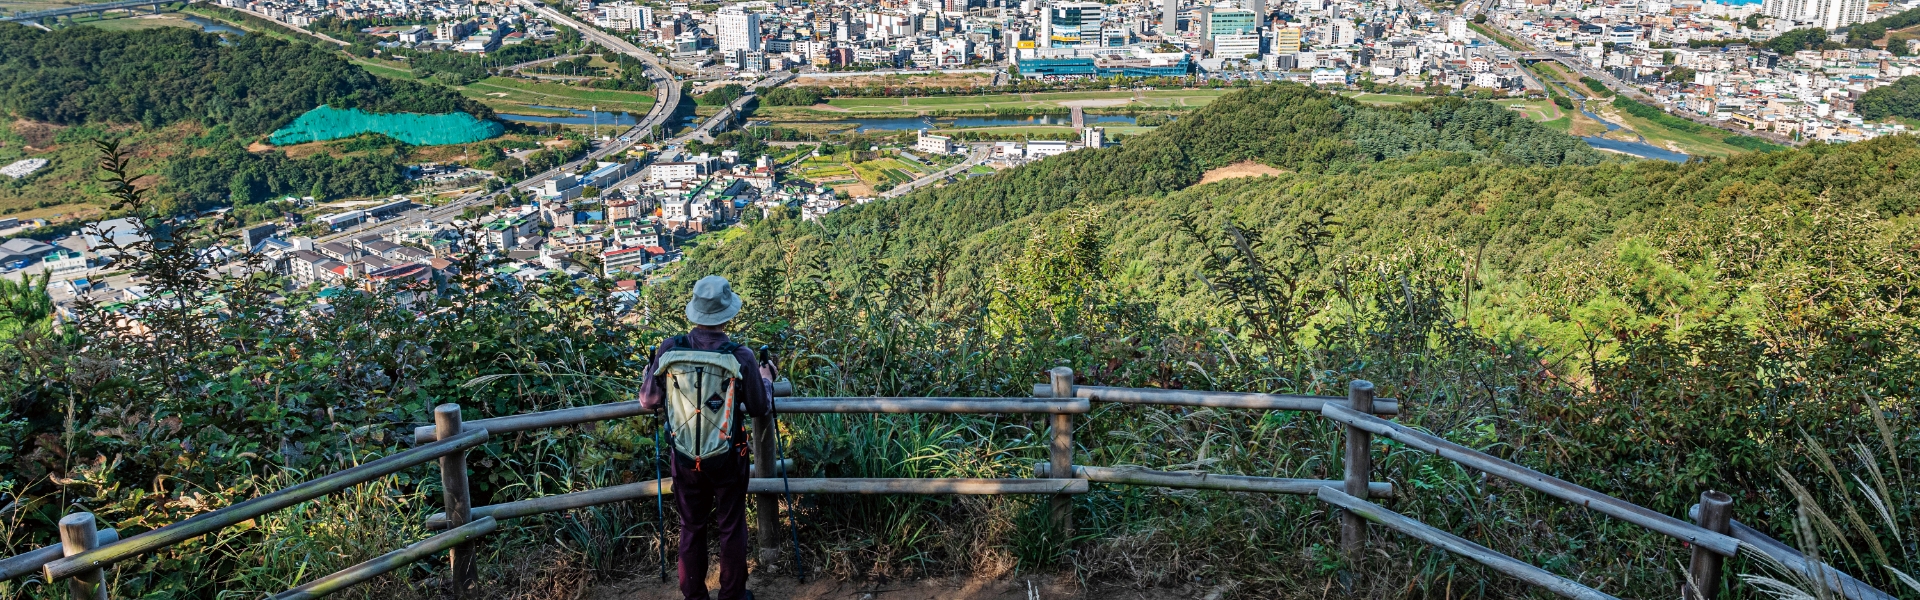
{"x":506,"y":94}
{"x":519,"y":91}
{"x":1053,"y":100}
{"x":122,"y":22}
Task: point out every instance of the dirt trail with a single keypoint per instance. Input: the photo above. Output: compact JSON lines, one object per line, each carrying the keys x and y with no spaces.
{"x":785,"y":588}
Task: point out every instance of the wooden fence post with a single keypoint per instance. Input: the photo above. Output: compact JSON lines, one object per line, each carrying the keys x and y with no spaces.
{"x":456,"y":501}
{"x":1359,"y":464}
{"x":1716,"y":515}
{"x":768,"y":513}
{"x":78,"y":534}
{"x":1060,"y":450}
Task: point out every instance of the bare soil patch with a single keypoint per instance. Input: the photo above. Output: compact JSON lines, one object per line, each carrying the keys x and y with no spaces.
{"x":1245,"y":168}
{"x":38,"y":135}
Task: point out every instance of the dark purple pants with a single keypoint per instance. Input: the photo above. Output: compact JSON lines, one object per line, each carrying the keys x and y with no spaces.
{"x":712,"y":498}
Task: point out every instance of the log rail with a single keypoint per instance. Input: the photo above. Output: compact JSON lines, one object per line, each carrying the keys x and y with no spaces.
{"x":86,"y":553}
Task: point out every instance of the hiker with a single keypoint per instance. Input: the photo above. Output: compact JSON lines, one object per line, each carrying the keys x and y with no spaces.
{"x":704,"y":381}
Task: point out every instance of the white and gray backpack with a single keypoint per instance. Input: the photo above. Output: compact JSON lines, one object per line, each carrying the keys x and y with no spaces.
{"x":700,"y":403}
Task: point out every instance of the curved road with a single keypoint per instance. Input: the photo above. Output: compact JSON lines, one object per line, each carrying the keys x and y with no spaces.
{"x":657,"y":115}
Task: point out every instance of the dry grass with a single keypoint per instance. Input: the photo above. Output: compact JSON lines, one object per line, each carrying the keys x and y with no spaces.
{"x":1245,"y":168}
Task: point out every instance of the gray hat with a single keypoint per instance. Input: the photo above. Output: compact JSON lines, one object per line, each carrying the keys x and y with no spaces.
{"x":713,"y":303}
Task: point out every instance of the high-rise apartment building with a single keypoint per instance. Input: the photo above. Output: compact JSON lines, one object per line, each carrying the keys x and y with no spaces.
{"x":1169,"y":17}
{"x":738,"y":30}
{"x":1825,"y":14}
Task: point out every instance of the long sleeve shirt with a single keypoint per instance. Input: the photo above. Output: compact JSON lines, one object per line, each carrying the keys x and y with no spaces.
{"x":753,"y":392}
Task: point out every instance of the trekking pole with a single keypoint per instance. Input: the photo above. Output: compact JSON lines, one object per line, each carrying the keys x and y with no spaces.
{"x":659,"y":500}
{"x":793,"y":510}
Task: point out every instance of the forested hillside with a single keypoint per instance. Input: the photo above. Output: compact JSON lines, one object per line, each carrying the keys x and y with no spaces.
{"x":253,"y":84}
{"x":1286,"y":126}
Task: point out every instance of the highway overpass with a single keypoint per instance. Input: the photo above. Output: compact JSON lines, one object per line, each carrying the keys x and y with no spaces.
{"x":85,"y":9}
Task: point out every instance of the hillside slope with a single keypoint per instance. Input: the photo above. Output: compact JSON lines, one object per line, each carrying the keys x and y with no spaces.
{"x":253,"y":84}
{"x":1286,"y":126}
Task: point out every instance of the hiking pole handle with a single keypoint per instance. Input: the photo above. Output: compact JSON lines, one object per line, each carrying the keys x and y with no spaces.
{"x":766,"y":358}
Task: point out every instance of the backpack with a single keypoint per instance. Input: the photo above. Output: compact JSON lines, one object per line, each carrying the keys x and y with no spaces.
{"x":700,"y":407}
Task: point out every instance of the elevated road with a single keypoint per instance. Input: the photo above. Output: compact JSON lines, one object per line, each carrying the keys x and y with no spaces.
{"x":128,"y":5}
{"x":979,"y":155}
{"x":720,"y":121}
{"x":668,"y":103}
{"x":663,"y":80}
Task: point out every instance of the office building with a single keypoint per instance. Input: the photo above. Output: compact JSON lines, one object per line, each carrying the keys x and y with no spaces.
{"x":1236,"y":45}
{"x":1071,"y":24}
{"x":738,"y":30}
{"x":1286,"y":40}
{"x":1231,"y":22}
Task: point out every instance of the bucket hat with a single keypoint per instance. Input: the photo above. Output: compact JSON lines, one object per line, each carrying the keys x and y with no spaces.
{"x":714,"y":302}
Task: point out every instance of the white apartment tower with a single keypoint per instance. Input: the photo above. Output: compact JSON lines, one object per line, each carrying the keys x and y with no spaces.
{"x":739,"y":30}
{"x":1170,"y":17}
{"x":1825,"y":14}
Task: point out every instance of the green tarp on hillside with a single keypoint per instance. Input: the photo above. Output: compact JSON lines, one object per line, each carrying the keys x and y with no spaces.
{"x":329,"y":123}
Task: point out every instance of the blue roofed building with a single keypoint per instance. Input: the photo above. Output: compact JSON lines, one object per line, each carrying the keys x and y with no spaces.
{"x":1169,"y":64}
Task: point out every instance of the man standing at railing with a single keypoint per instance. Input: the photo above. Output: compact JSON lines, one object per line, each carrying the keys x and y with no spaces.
{"x":704,"y":380}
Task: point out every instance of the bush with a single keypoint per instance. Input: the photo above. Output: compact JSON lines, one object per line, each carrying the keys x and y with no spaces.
{"x":723,"y":95}
{"x":1661,"y":117}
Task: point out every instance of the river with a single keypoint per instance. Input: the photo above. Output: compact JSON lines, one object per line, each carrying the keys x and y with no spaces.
{"x":580,"y":117}
{"x":1640,"y":149}
{"x":210,"y":26}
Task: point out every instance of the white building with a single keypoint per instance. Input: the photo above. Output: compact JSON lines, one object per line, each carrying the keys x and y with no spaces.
{"x":738,"y":30}
{"x":1329,"y":77}
{"x":1043,"y":149}
{"x":1236,"y":46}
{"x":1457,"y":29}
{"x":1826,"y":14}
{"x":1093,"y":137}
{"x":933,"y":144}
{"x":674,"y":171}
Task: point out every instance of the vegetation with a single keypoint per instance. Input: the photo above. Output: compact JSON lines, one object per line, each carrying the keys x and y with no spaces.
{"x":1598,"y":88}
{"x":723,"y":95}
{"x":1899,"y":99}
{"x":632,"y":76}
{"x":790,"y":96}
{"x":1661,"y":117}
{"x":230,"y":174}
{"x":154,"y":77}
{"x":1647,"y":329}
{"x":1645,"y":359}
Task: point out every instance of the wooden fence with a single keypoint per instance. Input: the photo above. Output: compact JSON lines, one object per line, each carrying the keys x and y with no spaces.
{"x":85,"y":553}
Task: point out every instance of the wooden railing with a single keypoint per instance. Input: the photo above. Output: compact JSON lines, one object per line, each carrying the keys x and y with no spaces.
{"x":85,"y":553}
